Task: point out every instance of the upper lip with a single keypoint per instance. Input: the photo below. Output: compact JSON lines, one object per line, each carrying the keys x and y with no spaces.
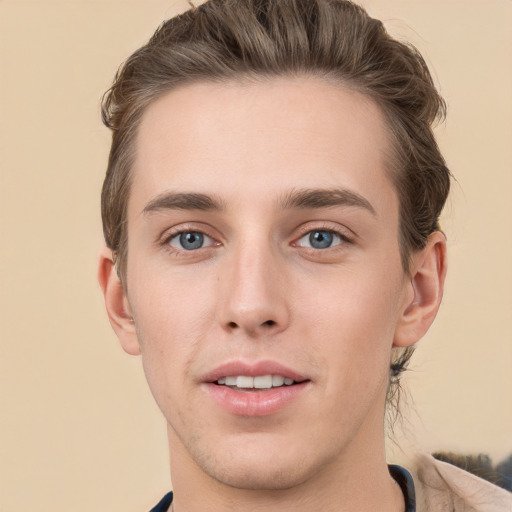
{"x":232,"y":368}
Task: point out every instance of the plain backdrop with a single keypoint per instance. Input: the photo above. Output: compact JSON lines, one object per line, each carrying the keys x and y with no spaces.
{"x":78,"y":428}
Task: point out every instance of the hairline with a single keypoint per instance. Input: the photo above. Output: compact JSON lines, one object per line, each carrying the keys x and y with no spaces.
{"x":391,"y":157}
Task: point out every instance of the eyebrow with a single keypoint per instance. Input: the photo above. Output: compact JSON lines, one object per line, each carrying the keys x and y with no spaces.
{"x":324,"y":198}
{"x":300,"y":199}
{"x":183,"y":201}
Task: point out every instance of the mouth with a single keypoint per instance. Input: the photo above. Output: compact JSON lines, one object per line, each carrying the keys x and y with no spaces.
{"x":250,"y":390}
{"x":255,"y":375}
{"x":259,"y":382}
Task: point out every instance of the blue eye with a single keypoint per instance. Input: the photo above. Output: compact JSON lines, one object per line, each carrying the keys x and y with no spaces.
{"x":190,"y":240}
{"x":320,"y":239}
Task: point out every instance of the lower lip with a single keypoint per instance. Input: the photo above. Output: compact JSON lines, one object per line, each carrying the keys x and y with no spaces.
{"x":255,"y":403}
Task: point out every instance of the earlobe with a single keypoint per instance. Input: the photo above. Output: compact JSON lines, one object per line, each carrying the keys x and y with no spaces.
{"x":428,"y":272}
{"x":116,"y":303}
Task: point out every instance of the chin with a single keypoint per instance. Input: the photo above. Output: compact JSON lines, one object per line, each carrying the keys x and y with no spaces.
{"x":257,"y":478}
{"x":260,"y":467}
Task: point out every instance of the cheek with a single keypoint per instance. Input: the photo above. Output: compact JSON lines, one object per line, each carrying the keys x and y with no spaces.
{"x":171,"y":315}
{"x":362,"y":307}
{"x":169,"y":303}
{"x":352,"y":324}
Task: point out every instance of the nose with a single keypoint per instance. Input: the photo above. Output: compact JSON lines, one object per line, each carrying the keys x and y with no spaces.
{"x":253,"y":298}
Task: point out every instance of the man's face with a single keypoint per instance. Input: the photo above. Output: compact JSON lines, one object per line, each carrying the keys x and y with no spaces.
{"x":263,"y":241}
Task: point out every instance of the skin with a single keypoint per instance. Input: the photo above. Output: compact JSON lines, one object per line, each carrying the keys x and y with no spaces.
{"x":257,"y":290}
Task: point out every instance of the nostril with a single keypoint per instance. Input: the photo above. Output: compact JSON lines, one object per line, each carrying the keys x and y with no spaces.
{"x":269,"y":323}
{"x":232,"y":325}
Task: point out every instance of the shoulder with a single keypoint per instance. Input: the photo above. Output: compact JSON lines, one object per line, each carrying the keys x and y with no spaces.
{"x":443,"y":487}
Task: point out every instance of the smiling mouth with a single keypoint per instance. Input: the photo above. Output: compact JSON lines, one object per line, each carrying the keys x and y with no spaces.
{"x":261,"y":382}
{"x":255,"y":390}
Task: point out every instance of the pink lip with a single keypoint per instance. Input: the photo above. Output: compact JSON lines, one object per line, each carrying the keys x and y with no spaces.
{"x":254,"y":403}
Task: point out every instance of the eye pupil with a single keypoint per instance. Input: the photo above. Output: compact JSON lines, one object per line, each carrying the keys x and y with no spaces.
{"x":191,"y":240}
{"x":320,"y":239}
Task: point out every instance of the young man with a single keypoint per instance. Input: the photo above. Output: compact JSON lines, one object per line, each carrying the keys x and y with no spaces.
{"x":273,"y":251}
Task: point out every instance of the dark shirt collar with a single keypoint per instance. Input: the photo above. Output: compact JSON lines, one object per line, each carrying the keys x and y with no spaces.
{"x":404,"y":479}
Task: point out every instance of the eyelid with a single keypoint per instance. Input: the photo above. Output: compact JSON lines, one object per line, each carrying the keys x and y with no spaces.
{"x":336,"y":243}
{"x":208,"y":240}
{"x":345,"y":233}
{"x":175,"y":231}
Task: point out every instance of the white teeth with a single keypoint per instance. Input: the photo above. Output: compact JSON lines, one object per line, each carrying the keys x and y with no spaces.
{"x":259,"y":382}
{"x":264,"y":382}
{"x":277,"y":380}
{"x":244,"y":382}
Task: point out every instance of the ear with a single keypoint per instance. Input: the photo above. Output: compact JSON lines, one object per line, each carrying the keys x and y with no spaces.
{"x":116,"y":303}
{"x":425,"y":291}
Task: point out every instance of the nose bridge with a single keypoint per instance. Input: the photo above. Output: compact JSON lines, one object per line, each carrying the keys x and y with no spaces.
{"x":253,"y":300}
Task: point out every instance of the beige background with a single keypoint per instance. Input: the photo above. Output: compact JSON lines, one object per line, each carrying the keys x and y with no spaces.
{"x":78,"y":429}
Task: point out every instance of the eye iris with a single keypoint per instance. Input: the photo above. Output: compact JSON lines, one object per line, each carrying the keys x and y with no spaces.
{"x":191,"y":240}
{"x":320,"y":239}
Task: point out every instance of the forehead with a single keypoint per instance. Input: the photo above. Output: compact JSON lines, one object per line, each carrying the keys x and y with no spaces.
{"x":237,"y":138}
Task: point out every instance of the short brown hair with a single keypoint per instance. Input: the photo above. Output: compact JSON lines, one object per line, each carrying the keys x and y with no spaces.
{"x":333,"y":39}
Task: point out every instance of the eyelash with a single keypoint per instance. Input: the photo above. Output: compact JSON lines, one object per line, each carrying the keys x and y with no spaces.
{"x":304,"y":231}
{"x":334,"y":239}
{"x":167,"y":239}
